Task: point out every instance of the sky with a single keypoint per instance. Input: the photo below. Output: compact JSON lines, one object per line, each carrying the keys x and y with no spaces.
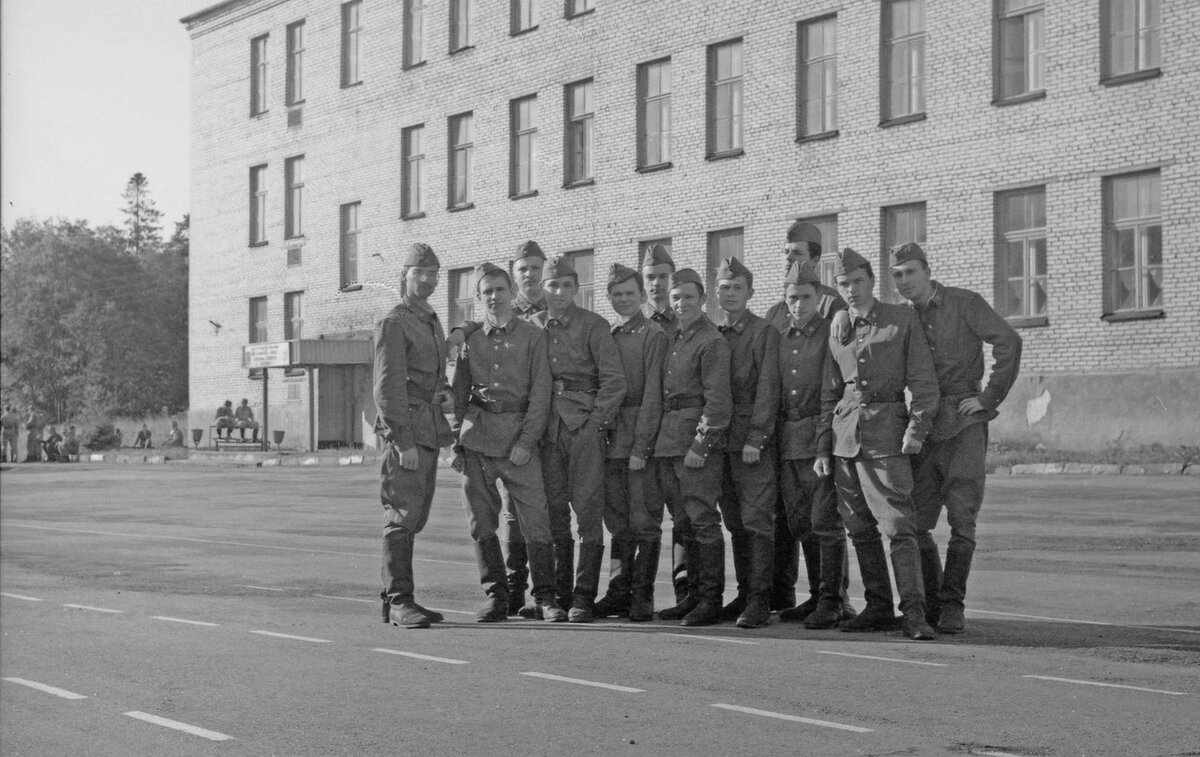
{"x":91,"y":92}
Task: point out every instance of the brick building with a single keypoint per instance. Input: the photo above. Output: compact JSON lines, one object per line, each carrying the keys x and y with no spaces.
{"x":1042,"y":152}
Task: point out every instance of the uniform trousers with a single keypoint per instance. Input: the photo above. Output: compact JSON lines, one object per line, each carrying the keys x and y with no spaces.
{"x":406,"y":496}
{"x":748,"y":494}
{"x":573,"y":466}
{"x":811,"y":503}
{"x":633,"y":505}
{"x":691,"y":495}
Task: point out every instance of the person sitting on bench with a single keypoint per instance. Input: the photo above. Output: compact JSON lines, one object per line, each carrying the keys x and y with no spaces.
{"x":245,"y":419}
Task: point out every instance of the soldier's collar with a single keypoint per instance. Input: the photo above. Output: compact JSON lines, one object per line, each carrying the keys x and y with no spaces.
{"x":809,"y":327}
{"x":489,"y":328}
{"x":738,"y":324}
{"x":630,"y":324}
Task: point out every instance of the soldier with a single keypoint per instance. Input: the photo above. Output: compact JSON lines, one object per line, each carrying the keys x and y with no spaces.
{"x":697,"y":406}
{"x":748,"y":481}
{"x":949,"y":470}
{"x":410,"y":385}
{"x":589,"y":385}
{"x":873,"y":435}
{"x":805,"y":443}
{"x":633,"y":503}
{"x":501,"y":403}
{"x":803,"y":244}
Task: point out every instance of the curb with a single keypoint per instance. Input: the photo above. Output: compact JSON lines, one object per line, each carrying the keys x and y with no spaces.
{"x":1098,"y":469}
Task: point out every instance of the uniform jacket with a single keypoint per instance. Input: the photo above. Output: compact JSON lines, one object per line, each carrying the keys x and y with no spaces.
{"x":753,"y":379}
{"x":805,"y":368}
{"x":642,"y":346}
{"x":665,"y":318}
{"x":582,"y":354}
{"x":410,"y":371}
{"x":831,"y":302}
{"x":886,"y":354}
{"x":697,"y":402}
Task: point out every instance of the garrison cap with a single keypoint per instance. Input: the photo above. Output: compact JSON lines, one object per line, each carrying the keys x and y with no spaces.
{"x":686,"y":276}
{"x":530,"y":249}
{"x":619,"y":274}
{"x":421,"y":255}
{"x":657,"y":254}
{"x":848,"y":260}
{"x":802,"y":272}
{"x":485,"y":269}
{"x":731,"y":268}
{"x":802,"y":232}
{"x":557,"y":268}
{"x":907,"y":252}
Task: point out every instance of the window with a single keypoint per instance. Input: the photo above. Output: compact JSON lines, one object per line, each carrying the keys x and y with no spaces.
{"x":817,"y":77}
{"x":1021,"y":255}
{"x":293,"y":315}
{"x":1020,"y":48}
{"x":523,"y":149}
{"x":901,"y":224}
{"x":412,"y":188}
{"x":351,"y":43}
{"x":827,"y":225}
{"x":725,"y":99}
{"x":579,"y":133}
{"x":726,"y":243}
{"x":461,"y":150}
{"x":349,"y":246}
{"x":462,"y":32}
{"x":654,"y":113}
{"x":295,"y":63}
{"x":462,"y":296}
{"x":258,"y":205}
{"x":523,"y":16}
{"x":578,"y":7}
{"x":1131,"y":36}
{"x":903,"y":76}
{"x":1133,"y":210}
{"x":258,"y":319}
{"x":584,"y":263}
{"x":414,"y":32}
{"x":258,"y":75}
{"x":293,"y":203}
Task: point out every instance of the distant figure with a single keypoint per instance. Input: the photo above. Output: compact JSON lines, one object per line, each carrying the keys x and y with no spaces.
{"x":52,"y":446}
{"x":70,"y":443}
{"x":143,"y":438}
{"x":245,"y":419}
{"x":34,"y":424}
{"x":225,"y":420}
{"x":174,"y":437}
{"x":10,"y":425}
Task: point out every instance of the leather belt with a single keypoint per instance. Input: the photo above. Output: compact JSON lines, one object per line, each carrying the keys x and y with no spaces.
{"x":871,"y":398}
{"x":800,"y":412}
{"x":565,"y":385}
{"x":679,"y":402}
{"x":498,"y":406}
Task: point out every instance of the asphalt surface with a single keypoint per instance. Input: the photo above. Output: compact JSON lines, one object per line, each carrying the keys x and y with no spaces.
{"x":181,"y":610}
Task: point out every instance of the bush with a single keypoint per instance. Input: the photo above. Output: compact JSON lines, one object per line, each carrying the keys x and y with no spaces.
{"x":106,"y":436}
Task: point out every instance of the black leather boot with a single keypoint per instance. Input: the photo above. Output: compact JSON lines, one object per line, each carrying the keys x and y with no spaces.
{"x":879,"y":614}
{"x":830,"y":607}
{"x":645,"y":569}
{"x":762,"y":564}
{"x":516,"y":564}
{"x":541,"y":573}
{"x":692,"y":597}
{"x":564,"y":571}
{"x":711,"y":562}
{"x":491,"y":577}
{"x":617,"y":596}
{"x":587,"y":581}
{"x":740,"y":543}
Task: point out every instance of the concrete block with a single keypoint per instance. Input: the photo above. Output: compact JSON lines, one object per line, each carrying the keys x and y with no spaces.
{"x":1192,"y":470}
{"x":356,"y":459}
{"x":1153,"y":469}
{"x":1001,"y":470}
{"x":1091,"y":469}
{"x":1038,"y":469}
{"x":96,"y":457}
{"x":156,"y":459}
{"x":310,"y":461}
{"x":270,"y":462}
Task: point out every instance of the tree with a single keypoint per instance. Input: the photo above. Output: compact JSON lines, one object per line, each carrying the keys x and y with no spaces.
{"x":143,"y":221}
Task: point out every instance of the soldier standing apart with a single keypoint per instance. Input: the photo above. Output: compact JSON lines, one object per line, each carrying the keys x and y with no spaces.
{"x":633,"y":503}
{"x":10,"y":422}
{"x":501,"y":403}
{"x":748,"y":481}
{"x":410,"y":386}
{"x":949,"y":471}
{"x":697,"y":406}
{"x":805,"y":444}
{"x":589,"y":386}
{"x":873,"y":435}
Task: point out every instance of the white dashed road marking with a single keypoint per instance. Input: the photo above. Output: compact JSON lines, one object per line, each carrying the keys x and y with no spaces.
{"x":416,"y":656}
{"x":885,"y":659}
{"x":261,"y":588}
{"x":20,"y":596}
{"x":581,"y":682}
{"x":456,"y":612}
{"x":93,"y":609}
{"x":1108,"y":685}
{"x":725,"y":639}
{"x":289,"y":636}
{"x":794,"y":718}
{"x":184,"y":620}
{"x":175,"y":724}
{"x":48,"y":689}
{"x":347,"y":599}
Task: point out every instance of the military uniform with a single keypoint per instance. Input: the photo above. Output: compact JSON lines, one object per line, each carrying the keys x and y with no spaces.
{"x":410,"y":360}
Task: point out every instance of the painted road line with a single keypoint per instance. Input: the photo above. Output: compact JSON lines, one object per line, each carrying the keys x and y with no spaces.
{"x":289,"y":636}
{"x":1109,"y":685}
{"x":347,"y":599}
{"x":885,"y":659}
{"x":456,"y":612}
{"x":581,"y":682}
{"x":184,"y":620}
{"x":48,"y":689}
{"x":725,"y":639}
{"x":10,"y":595}
{"x":795,"y":718}
{"x":186,"y":728}
{"x":263,"y":588}
{"x":416,"y":656}
{"x":1000,"y":754}
{"x":93,"y":609}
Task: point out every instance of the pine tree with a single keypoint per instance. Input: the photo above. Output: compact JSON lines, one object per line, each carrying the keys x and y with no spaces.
{"x":143,"y":221}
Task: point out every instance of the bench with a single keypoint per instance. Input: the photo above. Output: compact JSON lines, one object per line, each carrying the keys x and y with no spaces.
{"x":234,"y":441}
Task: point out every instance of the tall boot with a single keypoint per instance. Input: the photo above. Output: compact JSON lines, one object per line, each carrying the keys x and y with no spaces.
{"x":643,"y":573}
{"x":616,"y":598}
{"x":516,"y":563}
{"x":931,"y":575}
{"x":711,"y":559}
{"x":587,"y":583}
{"x":833,"y":571}
{"x":740,"y":542}
{"x":877,"y":586}
{"x":906,"y":565}
{"x":692,"y":596}
{"x":564,"y":571}
{"x":679,"y":563}
{"x":812,"y":567}
{"x":397,"y":575}
{"x":787,"y":562}
{"x":491,"y":577}
{"x":951,"y":618}
{"x":762,"y":566}
{"x":541,"y":573}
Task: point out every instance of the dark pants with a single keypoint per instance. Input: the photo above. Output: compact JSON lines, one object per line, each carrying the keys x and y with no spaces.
{"x":573,"y":466}
{"x":691,"y":493}
{"x":633,"y":504}
{"x":406,"y":496}
{"x":811,"y":503}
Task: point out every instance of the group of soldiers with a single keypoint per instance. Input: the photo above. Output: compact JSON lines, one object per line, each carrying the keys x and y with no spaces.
{"x":833,"y":414}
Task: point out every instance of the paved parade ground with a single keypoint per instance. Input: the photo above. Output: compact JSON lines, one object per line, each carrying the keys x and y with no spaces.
{"x":178,"y":609}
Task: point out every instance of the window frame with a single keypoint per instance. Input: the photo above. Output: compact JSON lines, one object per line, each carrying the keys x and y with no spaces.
{"x":293,"y":315}
{"x":258,"y":205}
{"x":259,"y":75}
{"x":412,"y":199}
{"x":827,"y":63}
{"x":258,"y":331}
{"x":414,"y":38}
{"x":585,"y":295}
{"x":462,"y":25}
{"x":294,"y":74}
{"x":349,"y":245}
{"x":1142,"y":27}
{"x":461,"y":296}
{"x":917,"y":87}
{"x":1032,"y":17}
{"x":352,"y":43}
{"x":1142,"y":225}
{"x":518,"y":11}
{"x":520,"y":134}
{"x":714,"y":86}
{"x":293,"y":197}
{"x":828,"y":226}
{"x":467,"y":149}
{"x":579,"y":165}
{"x":891,"y":216}
{"x":659,"y":103}
{"x":715,"y":250}
{"x":1027,"y":236}
{"x":577,"y":8}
